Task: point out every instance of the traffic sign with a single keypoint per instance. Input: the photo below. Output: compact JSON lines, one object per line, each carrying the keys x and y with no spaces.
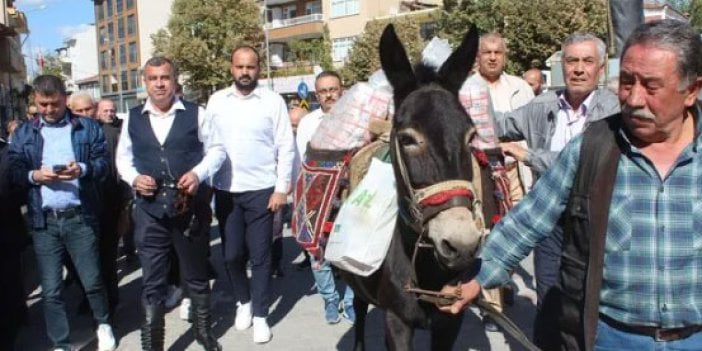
{"x":302,"y":90}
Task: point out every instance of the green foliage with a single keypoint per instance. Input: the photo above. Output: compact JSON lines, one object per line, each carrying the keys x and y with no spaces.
{"x":201,"y":35}
{"x":363,"y":58}
{"x":533,"y":29}
{"x":53,"y":66}
{"x":313,"y":51}
{"x":690,"y":8}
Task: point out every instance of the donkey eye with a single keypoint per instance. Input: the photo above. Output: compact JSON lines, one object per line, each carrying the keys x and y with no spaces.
{"x":407,"y":140}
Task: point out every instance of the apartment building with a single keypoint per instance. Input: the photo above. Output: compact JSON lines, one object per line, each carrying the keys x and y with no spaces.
{"x":79,"y":60}
{"x":124,"y":29}
{"x":13,"y":71}
{"x":290,"y":20}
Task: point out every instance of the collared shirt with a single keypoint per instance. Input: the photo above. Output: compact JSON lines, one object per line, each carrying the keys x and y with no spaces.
{"x":257,"y":137}
{"x":308,"y":125}
{"x":161,"y":125}
{"x":569,"y":122}
{"x":653,"y":249}
{"x":509,"y":93}
{"x":58,"y":150}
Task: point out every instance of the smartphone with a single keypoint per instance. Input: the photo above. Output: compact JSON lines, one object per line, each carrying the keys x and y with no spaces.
{"x":59,"y":168}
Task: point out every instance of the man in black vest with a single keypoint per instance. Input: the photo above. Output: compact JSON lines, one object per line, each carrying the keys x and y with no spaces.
{"x":166,"y":152}
{"x":628,"y":190}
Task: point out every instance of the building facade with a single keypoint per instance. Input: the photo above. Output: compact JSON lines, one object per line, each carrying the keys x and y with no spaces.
{"x":13,"y":71}
{"x":79,"y":59}
{"x":124,"y":29}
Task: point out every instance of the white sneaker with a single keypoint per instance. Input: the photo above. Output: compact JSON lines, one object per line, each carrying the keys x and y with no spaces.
{"x":242,"y":321}
{"x":106,"y":339}
{"x":261,"y":331}
{"x":185,"y":309}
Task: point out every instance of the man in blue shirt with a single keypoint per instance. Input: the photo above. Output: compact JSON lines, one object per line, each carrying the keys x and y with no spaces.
{"x":631,"y":268}
{"x":60,"y":159}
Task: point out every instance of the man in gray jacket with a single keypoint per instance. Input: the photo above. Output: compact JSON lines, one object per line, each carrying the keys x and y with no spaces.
{"x":549,"y":121}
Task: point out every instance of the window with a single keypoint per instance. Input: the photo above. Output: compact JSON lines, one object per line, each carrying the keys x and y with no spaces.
{"x":134,"y":78}
{"x":103,"y":59}
{"x":102,"y":33}
{"x":313,"y":7}
{"x":122,"y":55}
{"x":100,"y":11}
{"x":341,"y":48}
{"x":120,"y":29}
{"x":132,"y":52}
{"x":110,"y":32}
{"x":105,"y":83}
{"x":124,"y":80}
{"x":131,"y":24}
{"x":108,"y":4}
{"x":130,"y":4}
{"x":289,"y":11}
{"x":120,"y":5}
{"x":344,"y":7}
{"x":113,"y":59}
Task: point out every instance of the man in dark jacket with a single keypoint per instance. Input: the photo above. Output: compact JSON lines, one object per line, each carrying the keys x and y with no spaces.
{"x":60,"y":159}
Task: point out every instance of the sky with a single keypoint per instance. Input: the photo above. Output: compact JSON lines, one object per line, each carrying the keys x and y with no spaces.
{"x":51,"y":21}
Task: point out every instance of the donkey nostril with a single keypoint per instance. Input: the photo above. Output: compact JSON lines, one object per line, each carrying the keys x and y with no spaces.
{"x":449,"y":250}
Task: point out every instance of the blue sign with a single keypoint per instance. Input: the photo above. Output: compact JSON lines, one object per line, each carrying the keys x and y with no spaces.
{"x":302,"y":90}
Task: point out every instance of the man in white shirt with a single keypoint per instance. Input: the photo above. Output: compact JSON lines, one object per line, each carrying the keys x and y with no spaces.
{"x":167,"y":151}
{"x":328,"y":90}
{"x":252,"y":183}
{"x":507,"y":92}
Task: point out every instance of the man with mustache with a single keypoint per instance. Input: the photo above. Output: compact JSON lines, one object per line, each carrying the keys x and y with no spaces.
{"x":252,"y":184}
{"x":549,"y":121}
{"x":327,"y":86}
{"x":628,"y":192}
{"x":167,"y":151}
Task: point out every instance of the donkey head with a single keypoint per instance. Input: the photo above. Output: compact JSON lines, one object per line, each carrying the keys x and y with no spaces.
{"x":431,"y":148}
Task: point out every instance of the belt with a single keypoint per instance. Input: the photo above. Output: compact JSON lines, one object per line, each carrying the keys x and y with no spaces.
{"x":63,"y":213}
{"x":659,"y":334}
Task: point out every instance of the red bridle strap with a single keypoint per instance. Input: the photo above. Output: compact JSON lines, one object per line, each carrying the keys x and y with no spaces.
{"x":445,"y":196}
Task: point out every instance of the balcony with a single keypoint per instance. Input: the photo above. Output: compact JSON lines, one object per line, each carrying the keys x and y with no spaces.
{"x":17,"y":20}
{"x":12,"y":60}
{"x":302,"y":27}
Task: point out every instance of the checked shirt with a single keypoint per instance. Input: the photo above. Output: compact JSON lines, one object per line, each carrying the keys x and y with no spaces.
{"x":653,"y":250}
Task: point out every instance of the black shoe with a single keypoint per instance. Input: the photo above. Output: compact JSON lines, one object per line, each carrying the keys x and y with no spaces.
{"x":490,"y":325}
{"x":153,"y":330}
{"x":200,"y":312}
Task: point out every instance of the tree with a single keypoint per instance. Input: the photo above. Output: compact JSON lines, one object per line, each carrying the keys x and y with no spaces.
{"x":52,"y":65}
{"x":533,"y":30}
{"x":201,"y":35}
{"x":690,"y":8}
{"x":364,"y":59}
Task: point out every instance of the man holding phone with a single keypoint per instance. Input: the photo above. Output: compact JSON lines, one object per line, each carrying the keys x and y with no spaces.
{"x":60,"y":158}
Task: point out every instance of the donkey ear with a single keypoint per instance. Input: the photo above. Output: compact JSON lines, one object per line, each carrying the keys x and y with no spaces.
{"x":455,"y":70}
{"x":396,"y":65}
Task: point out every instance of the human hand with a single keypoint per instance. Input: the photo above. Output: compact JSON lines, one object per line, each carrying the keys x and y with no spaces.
{"x":190,"y":182}
{"x":469,"y":292}
{"x":72,"y":171}
{"x":144,"y":185}
{"x":277,"y":201}
{"x":44,"y":175}
{"x":515,"y":150}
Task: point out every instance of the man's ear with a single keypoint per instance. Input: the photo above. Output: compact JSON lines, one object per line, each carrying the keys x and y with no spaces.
{"x":693,"y":92}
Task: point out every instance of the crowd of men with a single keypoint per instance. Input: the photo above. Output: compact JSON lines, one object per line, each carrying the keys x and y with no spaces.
{"x":617,"y":259}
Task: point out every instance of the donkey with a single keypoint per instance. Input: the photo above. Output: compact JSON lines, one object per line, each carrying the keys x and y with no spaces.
{"x":432,"y":162}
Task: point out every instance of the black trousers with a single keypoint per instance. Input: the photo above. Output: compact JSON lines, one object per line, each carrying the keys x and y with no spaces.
{"x":154,"y":239}
{"x":246,"y":225}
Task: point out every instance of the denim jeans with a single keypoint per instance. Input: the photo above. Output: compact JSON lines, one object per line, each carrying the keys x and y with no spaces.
{"x":611,"y":339}
{"x":68,"y":238}
{"x":324,"y":280}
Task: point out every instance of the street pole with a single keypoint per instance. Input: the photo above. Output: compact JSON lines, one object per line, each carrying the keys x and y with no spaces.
{"x":268,"y":51}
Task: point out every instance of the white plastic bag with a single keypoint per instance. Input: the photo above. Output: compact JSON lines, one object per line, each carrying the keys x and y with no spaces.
{"x":364,"y":225}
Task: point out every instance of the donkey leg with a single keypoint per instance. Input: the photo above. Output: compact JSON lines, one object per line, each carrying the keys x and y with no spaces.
{"x":359,"y":325}
{"x":398,"y":335}
{"x":444,"y":330}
